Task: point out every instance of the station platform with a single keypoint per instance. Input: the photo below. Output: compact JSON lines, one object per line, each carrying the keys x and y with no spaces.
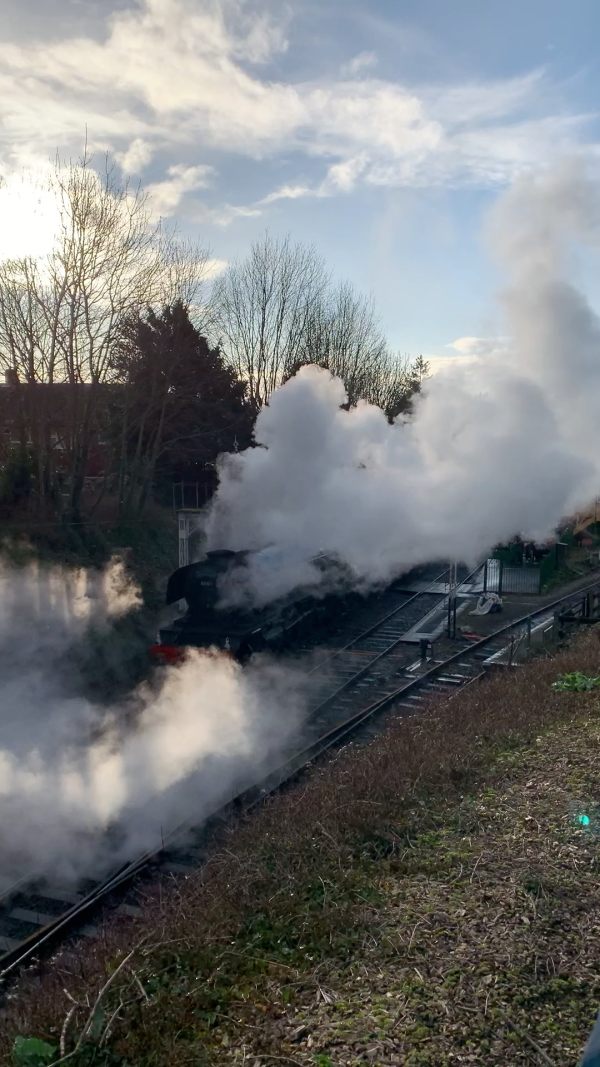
{"x":514,"y":606}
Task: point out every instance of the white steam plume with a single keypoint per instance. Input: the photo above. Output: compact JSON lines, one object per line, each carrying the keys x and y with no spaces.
{"x":84,"y":786}
{"x":506,"y":445}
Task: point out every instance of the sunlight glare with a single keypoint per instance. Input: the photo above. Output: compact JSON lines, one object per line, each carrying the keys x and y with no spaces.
{"x":29,"y":218}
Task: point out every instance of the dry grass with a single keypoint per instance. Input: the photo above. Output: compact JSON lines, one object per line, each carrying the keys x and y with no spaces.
{"x":427,"y":899}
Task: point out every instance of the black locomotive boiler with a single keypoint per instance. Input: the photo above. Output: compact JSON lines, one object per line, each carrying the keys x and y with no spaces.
{"x":238,"y":630}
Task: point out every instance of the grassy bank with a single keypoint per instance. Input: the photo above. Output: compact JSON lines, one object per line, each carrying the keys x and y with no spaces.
{"x":431,"y":898}
{"x":579,"y":562}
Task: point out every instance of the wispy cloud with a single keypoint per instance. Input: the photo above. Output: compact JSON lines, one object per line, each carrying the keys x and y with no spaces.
{"x":362,"y":61}
{"x":468,"y":351}
{"x":172,"y":74}
{"x":166,"y":195}
{"x":223,"y":214}
{"x":289,"y":192}
{"x":340,"y":177}
{"x":136,"y":156}
{"x":477,"y":346}
{"x":214,"y":267}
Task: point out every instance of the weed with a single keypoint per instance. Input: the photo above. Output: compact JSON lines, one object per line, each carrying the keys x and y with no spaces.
{"x":576,"y":682}
{"x":31,"y":1052}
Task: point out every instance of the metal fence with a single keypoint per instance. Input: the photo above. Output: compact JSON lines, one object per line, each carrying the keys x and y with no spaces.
{"x":188,"y":495}
{"x":503,"y":578}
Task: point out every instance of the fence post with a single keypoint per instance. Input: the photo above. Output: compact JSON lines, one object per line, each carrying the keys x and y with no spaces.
{"x":452,"y":587}
{"x":500,"y":570}
{"x":451,"y":617}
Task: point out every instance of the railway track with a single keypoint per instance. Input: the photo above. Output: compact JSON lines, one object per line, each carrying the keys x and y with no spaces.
{"x":371,"y":612}
{"x":369,"y":665}
{"x":35,"y":917}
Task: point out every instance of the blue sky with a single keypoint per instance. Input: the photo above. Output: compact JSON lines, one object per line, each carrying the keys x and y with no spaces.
{"x":381,"y":132}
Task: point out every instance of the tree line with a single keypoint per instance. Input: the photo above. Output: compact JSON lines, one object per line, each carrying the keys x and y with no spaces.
{"x":126,"y":370}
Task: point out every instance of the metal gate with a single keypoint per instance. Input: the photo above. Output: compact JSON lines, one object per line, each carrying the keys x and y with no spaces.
{"x":502,"y":578}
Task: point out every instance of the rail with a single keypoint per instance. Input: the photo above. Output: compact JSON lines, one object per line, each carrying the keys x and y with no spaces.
{"x":361,"y":638}
{"x":439,"y":676}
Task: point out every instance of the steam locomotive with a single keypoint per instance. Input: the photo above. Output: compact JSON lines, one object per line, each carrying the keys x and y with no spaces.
{"x":242,"y":631}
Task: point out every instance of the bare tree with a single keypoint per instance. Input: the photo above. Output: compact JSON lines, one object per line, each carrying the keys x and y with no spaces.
{"x":399,"y":379}
{"x":26,"y":358}
{"x":343,"y":335}
{"x":263,"y":307}
{"x":59,"y":317}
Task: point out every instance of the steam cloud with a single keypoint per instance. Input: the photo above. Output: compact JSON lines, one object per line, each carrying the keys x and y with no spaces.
{"x":85,"y":787}
{"x":507,"y":445}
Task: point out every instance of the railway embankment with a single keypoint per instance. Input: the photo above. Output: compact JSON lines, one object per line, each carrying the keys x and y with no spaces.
{"x":431,"y":897}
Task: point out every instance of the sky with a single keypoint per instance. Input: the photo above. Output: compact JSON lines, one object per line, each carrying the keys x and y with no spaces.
{"x":381,"y":132}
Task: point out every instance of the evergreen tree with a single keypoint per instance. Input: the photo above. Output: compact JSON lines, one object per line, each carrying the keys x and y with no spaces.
{"x":181,"y":406}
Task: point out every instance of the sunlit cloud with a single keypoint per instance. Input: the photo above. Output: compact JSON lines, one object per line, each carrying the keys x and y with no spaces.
{"x":467,"y":352}
{"x":478,"y":347}
{"x":289,"y":192}
{"x":214,"y":267}
{"x":166,"y":195}
{"x":173,"y":76}
{"x":136,"y":156}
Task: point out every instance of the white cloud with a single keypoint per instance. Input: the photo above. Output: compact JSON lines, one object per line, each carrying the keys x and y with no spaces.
{"x":343,"y":176}
{"x":468,"y":352}
{"x":340,"y":177}
{"x":136,"y":157}
{"x":173,"y":73}
{"x":439,"y":363}
{"x":461,"y":105}
{"x":289,"y":192}
{"x":214,"y":267}
{"x":262,"y":38}
{"x":166,"y":195}
{"x":224,"y":214}
{"x":478,"y":346}
{"x":360,"y":62}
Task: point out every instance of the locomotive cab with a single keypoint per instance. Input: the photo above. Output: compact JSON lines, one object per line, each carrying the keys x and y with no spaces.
{"x":203,"y":624}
